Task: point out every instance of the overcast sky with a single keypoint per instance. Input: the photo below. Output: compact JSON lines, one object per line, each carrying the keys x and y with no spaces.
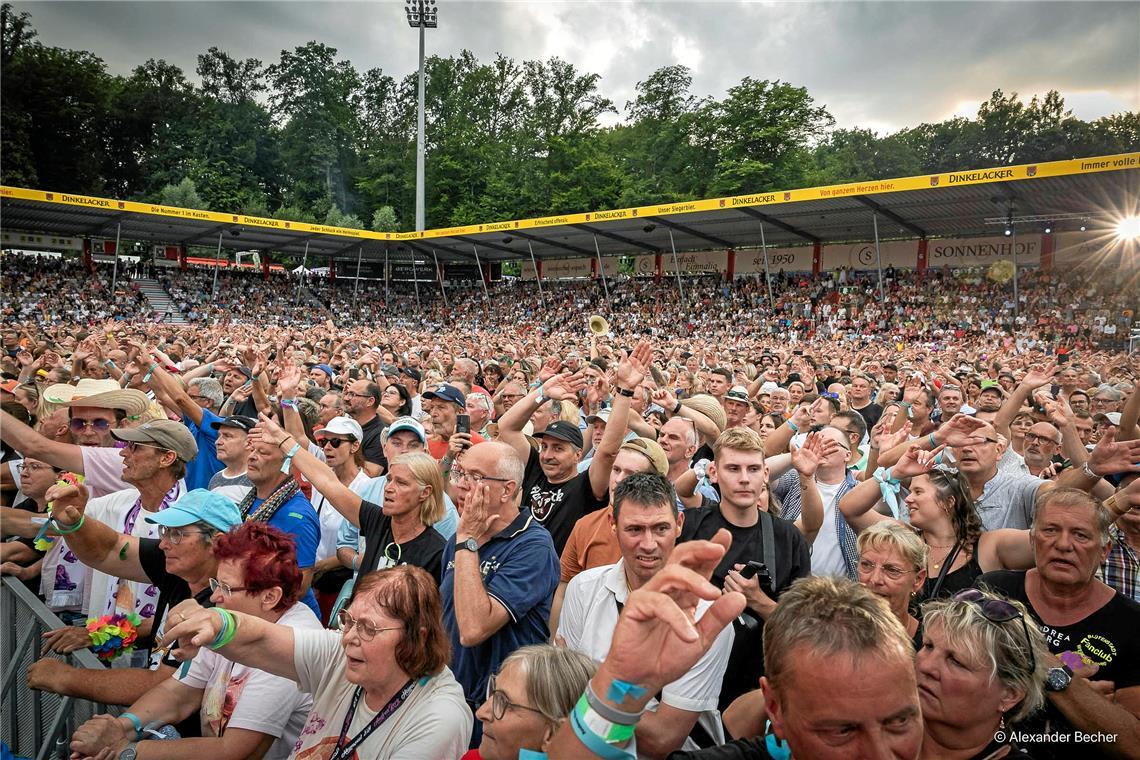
{"x":880,"y":65}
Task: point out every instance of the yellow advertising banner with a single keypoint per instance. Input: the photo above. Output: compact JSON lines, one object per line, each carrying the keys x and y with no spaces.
{"x":1091,"y":165}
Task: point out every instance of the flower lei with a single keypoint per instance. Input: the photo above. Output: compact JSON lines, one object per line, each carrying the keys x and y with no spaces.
{"x":113,"y":635}
{"x":44,"y":542}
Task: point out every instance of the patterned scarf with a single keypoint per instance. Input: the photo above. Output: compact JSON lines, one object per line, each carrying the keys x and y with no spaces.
{"x":269,"y":507}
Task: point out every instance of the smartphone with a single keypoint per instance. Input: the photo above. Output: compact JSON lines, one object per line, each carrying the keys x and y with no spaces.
{"x":760,"y":571}
{"x":1062,"y":358}
{"x":462,"y":423}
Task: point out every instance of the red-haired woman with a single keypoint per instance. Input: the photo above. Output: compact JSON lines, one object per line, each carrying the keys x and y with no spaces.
{"x":245,"y":711}
{"x":381,"y":686}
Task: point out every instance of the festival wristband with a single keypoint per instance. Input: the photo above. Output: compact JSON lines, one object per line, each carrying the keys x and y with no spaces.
{"x":1088,"y":473}
{"x":288,"y":463}
{"x":933,"y":443}
{"x":541,"y":398}
{"x":229,"y":629}
{"x":593,"y":741}
{"x":135,"y":721}
{"x":627,"y":392}
{"x":149,"y":373}
{"x":792,"y":426}
{"x":288,"y":403}
{"x":612,"y":714}
{"x":66,"y":530}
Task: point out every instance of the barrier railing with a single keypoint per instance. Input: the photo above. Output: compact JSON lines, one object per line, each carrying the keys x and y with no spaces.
{"x":33,"y":723}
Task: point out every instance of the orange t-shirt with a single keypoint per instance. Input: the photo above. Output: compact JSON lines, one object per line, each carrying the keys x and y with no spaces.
{"x":438,"y":447}
{"x":592,"y":543}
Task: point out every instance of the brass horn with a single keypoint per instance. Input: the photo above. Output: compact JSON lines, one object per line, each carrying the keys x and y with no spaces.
{"x":599,"y":325}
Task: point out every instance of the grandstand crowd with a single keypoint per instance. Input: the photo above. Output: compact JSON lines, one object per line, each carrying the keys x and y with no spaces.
{"x":327,"y":521}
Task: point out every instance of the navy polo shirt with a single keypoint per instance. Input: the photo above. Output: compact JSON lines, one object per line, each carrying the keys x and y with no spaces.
{"x":520,"y":571}
{"x":202,"y":467}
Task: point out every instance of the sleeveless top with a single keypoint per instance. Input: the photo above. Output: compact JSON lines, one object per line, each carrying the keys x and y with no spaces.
{"x":956,"y":580}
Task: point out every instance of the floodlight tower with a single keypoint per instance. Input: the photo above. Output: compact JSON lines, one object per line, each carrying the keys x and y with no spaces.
{"x":421,"y":15}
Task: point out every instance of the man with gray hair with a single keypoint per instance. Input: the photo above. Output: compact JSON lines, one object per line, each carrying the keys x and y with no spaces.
{"x":1094,"y":682}
{"x":500,"y":572}
{"x":479,"y":409}
{"x":1105,"y":399}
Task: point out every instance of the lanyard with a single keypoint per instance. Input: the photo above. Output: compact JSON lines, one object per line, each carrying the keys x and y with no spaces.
{"x":344,"y":749}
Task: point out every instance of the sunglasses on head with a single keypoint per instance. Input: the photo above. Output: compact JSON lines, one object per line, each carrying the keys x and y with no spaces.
{"x":998,"y":611}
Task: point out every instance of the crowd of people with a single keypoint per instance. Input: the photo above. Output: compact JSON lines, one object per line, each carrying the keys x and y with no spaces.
{"x":835,"y":525}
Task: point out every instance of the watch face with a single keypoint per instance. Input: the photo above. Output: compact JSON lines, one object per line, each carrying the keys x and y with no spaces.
{"x":1058,"y":679}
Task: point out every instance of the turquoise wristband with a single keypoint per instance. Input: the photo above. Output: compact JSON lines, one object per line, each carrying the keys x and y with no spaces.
{"x":792,"y":425}
{"x":595,"y":743}
{"x":134,"y":719}
{"x":933,"y":443}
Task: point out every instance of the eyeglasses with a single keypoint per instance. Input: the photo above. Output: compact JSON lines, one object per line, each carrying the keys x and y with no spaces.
{"x":26,"y":468}
{"x":175,"y":535}
{"x":894,"y":572}
{"x":998,"y":611}
{"x":458,"y":475}
{"x":334,"y":442}
{"x":100,"y":426}
{"x":1033,"y":437}
{"x":1103,"y":401}
{"x":365,"y":630}
{"x":500,"y":702}
{"x":225,"y":588}
{"x":133,"y":446}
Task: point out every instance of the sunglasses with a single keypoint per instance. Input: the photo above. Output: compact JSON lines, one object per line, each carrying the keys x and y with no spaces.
{"x":100,"y":426}
{"x":334,"y":442}
{"x":998,"y":611}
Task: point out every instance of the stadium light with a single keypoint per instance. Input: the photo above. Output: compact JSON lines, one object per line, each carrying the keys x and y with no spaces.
{"x":422,"y":15}
{"x":1048,"y":228}
{"x":1128,"y":228}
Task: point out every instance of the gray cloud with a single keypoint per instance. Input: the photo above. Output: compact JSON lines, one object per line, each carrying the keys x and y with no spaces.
{"x":882,"y":65}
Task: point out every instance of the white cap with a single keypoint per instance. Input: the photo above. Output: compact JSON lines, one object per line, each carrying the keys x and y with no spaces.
{"x":343,"y":425}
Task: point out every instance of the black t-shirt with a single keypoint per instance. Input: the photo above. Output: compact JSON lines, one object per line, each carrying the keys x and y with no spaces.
{"x":247,"y":408}
{"x":1107,"y":639}
{"x":792,"y":561}
{"x":371,"y":445}
{"x":793,"y":558}
{"x":558,"y":507}
{"x":871,"y":414}
{"x":424,"y":551}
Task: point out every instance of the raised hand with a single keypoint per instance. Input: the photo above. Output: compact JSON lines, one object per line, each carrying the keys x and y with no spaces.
{"x":1037,"y":377}
{"x":549,"y":369}
{"x":632,"y":370}
{"x":806,"y":458}
{"x":961,"y":430}
{"x":288,"y":381}
{"x":916,"y":461}
{"x":657,"y":640}
{"x":563,"y":387}
{"x":1110,"y":456}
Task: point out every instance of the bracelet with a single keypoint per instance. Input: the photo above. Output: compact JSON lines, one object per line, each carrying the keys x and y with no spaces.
{"x":288,"y":463}
{"x":108,"y":363}
{"x":792,"y":426}
{"x":229,"y":629}
{"x":1112,"y":505}
{"x":612,"y":714}
{"x":933,"y":442}
{"x":68,"y":530}
{"x":677,"y":408}
{"x":592,"y":741}
{"x":1088,"y":471}
{"x":905,"y":404}
{"x":282,"y":441}
{"x":288,"y":403}
{"x":134,"y":719}
{"x":625,"y":392}
{"x":541,"y":398}
{"x":150,"y":372}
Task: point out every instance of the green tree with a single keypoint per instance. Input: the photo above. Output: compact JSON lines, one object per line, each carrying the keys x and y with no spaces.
{"x":182,"y":195}
{"x":384,"y":219}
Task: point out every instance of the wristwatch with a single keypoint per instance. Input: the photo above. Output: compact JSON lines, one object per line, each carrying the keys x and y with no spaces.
{"x":470,"y":545}
{"x":128,"y":752}
{"x":1059,"y":678}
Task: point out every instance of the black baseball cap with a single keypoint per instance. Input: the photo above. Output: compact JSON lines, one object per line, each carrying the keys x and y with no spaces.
{"x":238,"y":421}
{"x":563,"y":431}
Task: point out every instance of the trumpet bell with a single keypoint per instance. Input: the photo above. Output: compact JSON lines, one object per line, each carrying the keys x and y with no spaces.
{"x":599,"y":325}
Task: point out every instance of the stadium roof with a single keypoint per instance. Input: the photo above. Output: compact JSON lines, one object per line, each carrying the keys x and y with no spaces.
{"x":952,"y":204}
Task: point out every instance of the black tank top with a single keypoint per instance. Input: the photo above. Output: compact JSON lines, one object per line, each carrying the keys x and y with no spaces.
{"x":955,"y":581}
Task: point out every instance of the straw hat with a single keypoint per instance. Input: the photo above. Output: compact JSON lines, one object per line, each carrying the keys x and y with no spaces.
{"x":102,"y":394}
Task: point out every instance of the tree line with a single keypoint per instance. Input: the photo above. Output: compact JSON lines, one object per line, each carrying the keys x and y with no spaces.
{"x":311,"y":138}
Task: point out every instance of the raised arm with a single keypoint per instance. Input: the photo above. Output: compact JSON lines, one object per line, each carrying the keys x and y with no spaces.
{"x":343,"y":499}
{"x":1033,"y":380}
{"x":257,"y":643}
{"x":65,"y":456}
{"x":511,"y":424}
{"x":95,"y":544}
{"x":629,"y":375}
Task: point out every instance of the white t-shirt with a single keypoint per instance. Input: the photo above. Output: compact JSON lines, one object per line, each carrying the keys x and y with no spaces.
{"x":589,"y":616}
{"x":237,"y":696}
{"x":112,"y":511}
{"x":435,"y":721}
{"x":331,"y":519}
{"x":826,"y":557}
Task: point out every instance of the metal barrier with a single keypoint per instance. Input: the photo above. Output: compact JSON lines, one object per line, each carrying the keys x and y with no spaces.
{"x":35,"y":723}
